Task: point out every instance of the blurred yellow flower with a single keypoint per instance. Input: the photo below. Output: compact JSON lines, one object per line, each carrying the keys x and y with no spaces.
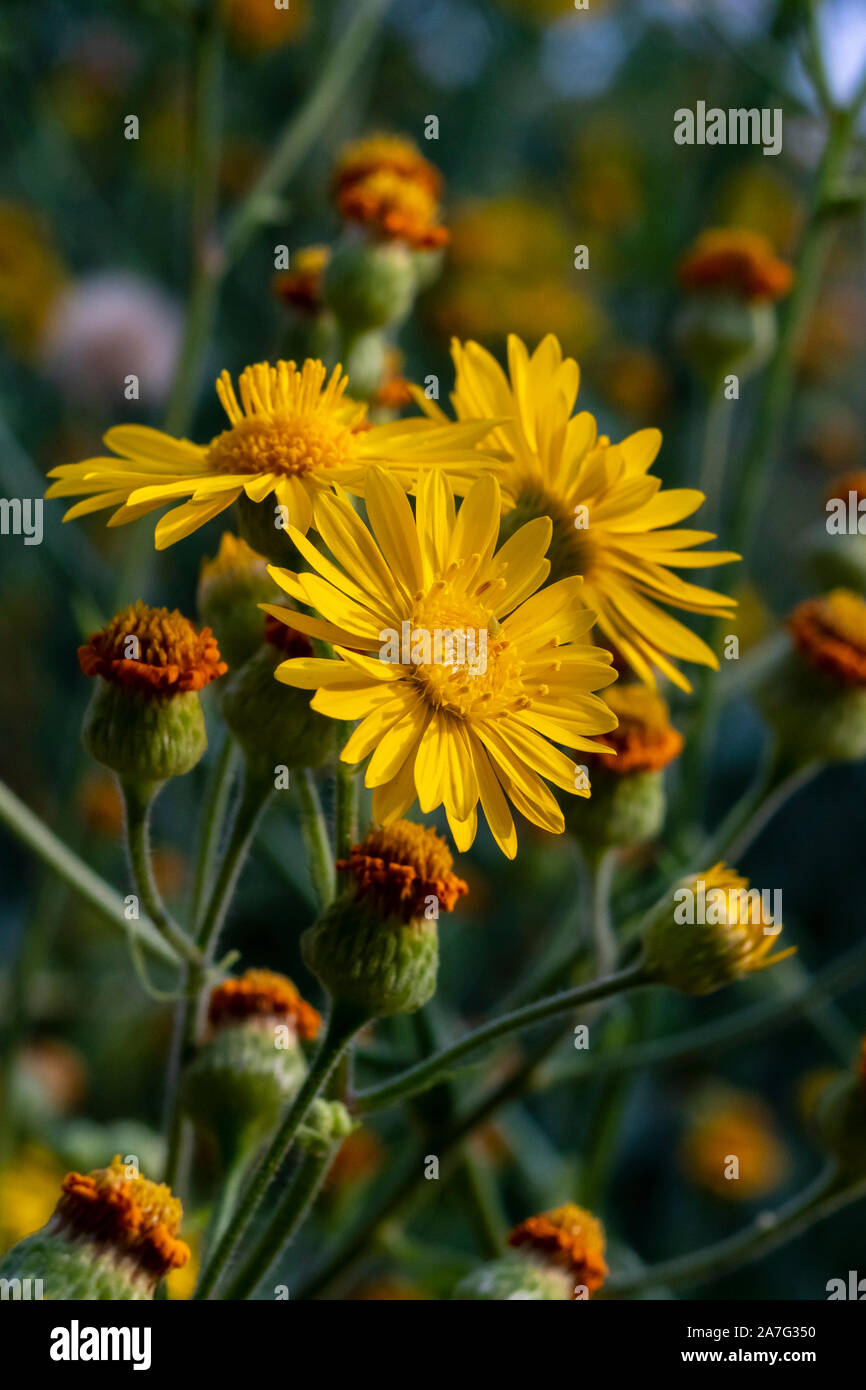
{"x":731,"y":1147}
{"x":31,"y":277}
{"x":505,"y":274}
{"x":28,"y":1194}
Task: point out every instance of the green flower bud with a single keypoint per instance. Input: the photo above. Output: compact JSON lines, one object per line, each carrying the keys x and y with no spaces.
{"x":839,"y":1118}
{"x":365,"y":361}
{"x":263,"y":526}
{"x":273,"y":722}
{"x":376,"y":948}
{"x":627,"y":803}
{"x":370,"y":284}
{"x":815,"y":696}
{"x":327,"y":1122}
{"x":230,"y":588}
{"x":720,"y":334}
{"x":560,"y":1256}
{"x":252,"y":1063}
{"x":514,"y":1278}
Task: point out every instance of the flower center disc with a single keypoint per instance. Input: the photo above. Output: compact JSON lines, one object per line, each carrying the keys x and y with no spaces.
{"x":287,"y":445}
{"x":473,"y":670}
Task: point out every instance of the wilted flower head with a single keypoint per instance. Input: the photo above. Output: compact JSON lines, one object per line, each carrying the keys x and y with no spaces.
{"x":644,"y":739}
{"x":569,"y":1238}
{"x":736,"y":260}
{"x":265,"y":996}
{"x":113,"y":1235}
{"x":386,"y":185}
{"x":152,"y":650}
{"x":376,"y":947}
{"x":830,"y":633}
{"x":144,"y":719}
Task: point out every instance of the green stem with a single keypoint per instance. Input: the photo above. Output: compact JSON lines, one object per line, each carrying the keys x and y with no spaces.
{"x":316,"y":838}
{"x":211,"y":262}
{"x":138,"y":801}
{"x":601,"y":866}
{"x":420,"y":1077}
{"x":254,"y":799}
{"x":714,"y":457}
{"x":819,"y":1200}
{"x":306,"y":126}
{"x":289,"y":1218}
{"x":343,"y":1023}
{"x":35,"y":834}
{"x":213,"y":818}
{"x":754,"y":475}
{"x":207,"y":268}
{"x":734,"y":1030}
{"x":227,"y":1197}
{"x":348,"y":795}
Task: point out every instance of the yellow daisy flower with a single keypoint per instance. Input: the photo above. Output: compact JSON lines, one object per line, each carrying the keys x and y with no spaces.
{"x":293,"y":433}
{"x":612,"y":521}
{"x":457,"y":730}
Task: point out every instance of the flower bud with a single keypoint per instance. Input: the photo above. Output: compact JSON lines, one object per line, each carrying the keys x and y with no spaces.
{"x":113,"y":1236}
{"x":327,"y":1122}
{"x":728,"y":324}
{"x":713,"y":933}
{"x":370,"y":284}
{"x":627,"y":803}
{"x":251,"y":1063}
{"x":815,"y":697}
{"x":263,"y":526}
{"x":839,"y":1118}
{"x":376,"y":947}
{"x":560,"y":1255}
{"x":230,"y":588}
{"x":144,"y":720}
{"x":271,"y":721}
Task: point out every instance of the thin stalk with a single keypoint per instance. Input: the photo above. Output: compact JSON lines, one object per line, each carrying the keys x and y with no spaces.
{"x":734,"y":1030}
{"x":213,"y":818}
{"x":206,"y":260}
{"x":315,"y":830}
{"x":347,"y":797}
{"x":254,"y":799}
{"x":138,"y":803}
{"x":227,"y":1197}
{"x":819,"y":1200}
{"x":35,"y":834}
{"x":714,"y":456}
{"x":289,"y":1218}
{"x":305,"y":127}
{"x":420,"y":1077}
{"x":343,"y":1023}
{"x":600,"y":867}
